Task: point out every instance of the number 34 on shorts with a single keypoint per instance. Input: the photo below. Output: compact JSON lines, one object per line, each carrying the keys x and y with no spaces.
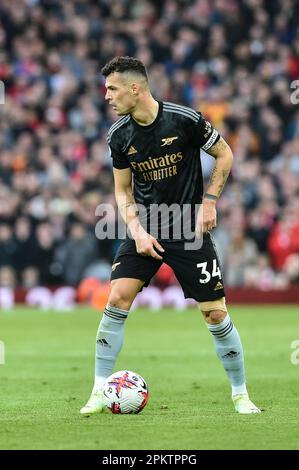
{"x":205,"y":275}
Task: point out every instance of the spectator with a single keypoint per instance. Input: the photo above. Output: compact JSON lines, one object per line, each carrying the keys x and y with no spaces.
{"x":7,"y":246}
{"x":25,"y":244}
{"x":7,"y":277}
{"x":80,"y":250}
{"x":284,"y":238}
{"x":242,"y":252}
{"x":45,"y":254}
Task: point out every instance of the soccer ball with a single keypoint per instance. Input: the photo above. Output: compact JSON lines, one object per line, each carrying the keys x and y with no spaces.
{"x":125,"y":392}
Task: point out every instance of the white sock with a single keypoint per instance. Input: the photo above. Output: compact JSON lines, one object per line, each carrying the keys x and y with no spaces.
{"x":230,"y":352}
{"x":98,"y":384}
{"x":109,"y":340}
{"x":239,"y":389}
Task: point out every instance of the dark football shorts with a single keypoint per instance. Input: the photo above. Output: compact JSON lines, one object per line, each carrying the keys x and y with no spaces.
{"x":198,"y":271}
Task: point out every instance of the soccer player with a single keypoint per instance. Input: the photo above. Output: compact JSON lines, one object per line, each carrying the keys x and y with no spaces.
{"x":155,"y":147}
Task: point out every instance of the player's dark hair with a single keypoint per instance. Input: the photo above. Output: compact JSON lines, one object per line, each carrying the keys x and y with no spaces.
{"x":124,"y":64}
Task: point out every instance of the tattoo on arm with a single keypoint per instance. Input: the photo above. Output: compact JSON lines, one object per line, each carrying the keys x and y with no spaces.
{"x":222,"y":168}
{"x":225,"y":174}
{"x":214,"y":176}
{"x":221,"y":146}
{"x":219,"y":178}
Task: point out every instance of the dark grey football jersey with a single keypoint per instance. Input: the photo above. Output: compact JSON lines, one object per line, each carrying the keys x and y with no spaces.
{"x":165,"y":156}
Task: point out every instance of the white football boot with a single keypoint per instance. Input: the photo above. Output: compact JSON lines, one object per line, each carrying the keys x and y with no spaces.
{"x":94,"y":405}
{"x":244,"y":405}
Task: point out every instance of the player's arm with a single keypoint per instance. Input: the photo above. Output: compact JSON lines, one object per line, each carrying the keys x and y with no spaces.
{"x":221,"y":151}
{"x":125,"y":200}
{"x":224,"y":158}
{"x":128,"y":209}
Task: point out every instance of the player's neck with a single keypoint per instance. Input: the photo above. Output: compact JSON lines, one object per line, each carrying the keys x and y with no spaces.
{"x":146,"y":111}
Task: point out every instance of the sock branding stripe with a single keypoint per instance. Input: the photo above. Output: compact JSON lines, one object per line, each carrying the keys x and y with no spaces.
{"x":114,"y":316}
{"x":225,"y":332}
{"x":109,"y":308}
{"x":220,"y":332}
{"x":222,"y":329}
{"x":121,"y":315}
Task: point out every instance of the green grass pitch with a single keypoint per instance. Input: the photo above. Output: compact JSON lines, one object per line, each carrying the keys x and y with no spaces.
{"x":48,"y":374}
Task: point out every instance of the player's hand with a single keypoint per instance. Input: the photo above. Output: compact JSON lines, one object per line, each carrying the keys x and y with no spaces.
{"x":146,"y":245}
{"x":207,"y":217}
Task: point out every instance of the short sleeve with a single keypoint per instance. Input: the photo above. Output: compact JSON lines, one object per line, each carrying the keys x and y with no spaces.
{"x":205,"y":134}
{"x":119,"y":160}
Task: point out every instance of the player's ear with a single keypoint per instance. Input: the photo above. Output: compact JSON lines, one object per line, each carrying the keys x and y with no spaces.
{"x":134,"y":88}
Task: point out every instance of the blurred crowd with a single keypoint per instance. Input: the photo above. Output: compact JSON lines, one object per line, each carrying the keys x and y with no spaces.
{"x":236,"y":61}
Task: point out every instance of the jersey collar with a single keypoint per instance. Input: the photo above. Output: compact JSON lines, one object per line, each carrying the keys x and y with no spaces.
{"x":153,"y":124}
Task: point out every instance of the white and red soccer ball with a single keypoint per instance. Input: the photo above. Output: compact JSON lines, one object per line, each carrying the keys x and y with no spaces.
{"x":125,"y":392}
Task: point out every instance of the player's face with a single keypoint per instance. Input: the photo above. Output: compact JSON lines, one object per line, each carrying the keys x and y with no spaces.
{"x":119,"y":94}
